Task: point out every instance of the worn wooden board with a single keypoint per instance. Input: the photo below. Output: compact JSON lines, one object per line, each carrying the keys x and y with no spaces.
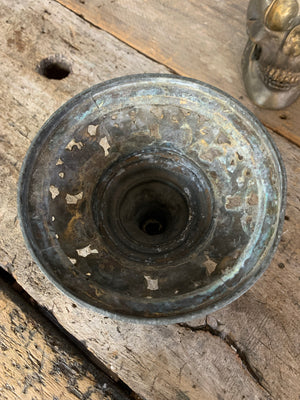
{"x":200,"y":39}
{"x":247,"y":350}
{"x":38,"y":363}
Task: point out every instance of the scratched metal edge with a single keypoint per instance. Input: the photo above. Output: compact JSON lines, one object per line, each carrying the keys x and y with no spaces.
{"x":38,"y":141}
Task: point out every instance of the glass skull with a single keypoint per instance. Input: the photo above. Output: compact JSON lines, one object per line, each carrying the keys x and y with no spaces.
{"x":271,"y":59}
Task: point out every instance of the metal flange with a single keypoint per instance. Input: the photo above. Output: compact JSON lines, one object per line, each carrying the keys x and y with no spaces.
{"x":152,"y":198}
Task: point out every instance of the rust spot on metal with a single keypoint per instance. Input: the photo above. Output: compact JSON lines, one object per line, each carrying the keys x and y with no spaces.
{"x":253,"y":199}
{"x":233,"y":202}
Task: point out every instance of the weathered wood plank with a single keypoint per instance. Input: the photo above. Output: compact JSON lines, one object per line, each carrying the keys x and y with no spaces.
{"x":38,"y":363}
{"x":167,"y":362}
{"x":264,"y":323}
{"x":200,"y":39}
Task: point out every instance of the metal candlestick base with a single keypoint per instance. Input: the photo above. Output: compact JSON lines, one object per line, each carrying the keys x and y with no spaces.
{"x":152,"y":198}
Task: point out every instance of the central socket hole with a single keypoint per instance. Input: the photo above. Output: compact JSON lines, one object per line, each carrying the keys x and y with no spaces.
{"x":153,"y":227}
{"x":152,"y":206}
{"x":154,"y":222}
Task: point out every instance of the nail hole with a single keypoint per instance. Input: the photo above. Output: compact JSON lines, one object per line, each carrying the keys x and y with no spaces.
{"x":287,"y":218}
{"x":283,"y":116}
{"x":281,"y":265}
{"x":54,"y":68}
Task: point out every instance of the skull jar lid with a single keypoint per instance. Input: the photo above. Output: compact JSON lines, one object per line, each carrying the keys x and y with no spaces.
{"x":152,"y":198}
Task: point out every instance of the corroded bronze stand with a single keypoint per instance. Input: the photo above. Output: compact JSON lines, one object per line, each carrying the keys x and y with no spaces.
{"x":152,"y":198}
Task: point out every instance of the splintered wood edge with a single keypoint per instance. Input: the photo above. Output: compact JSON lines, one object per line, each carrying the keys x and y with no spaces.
{"x":37,"y":361}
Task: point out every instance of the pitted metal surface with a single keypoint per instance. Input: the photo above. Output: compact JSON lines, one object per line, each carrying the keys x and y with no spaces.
{"x":152,"y":198}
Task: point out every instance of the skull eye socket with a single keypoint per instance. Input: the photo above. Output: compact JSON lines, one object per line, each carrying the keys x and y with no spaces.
{"x":292,"y":44}
{"x":280,"y":14}
{"x":256,"y":52}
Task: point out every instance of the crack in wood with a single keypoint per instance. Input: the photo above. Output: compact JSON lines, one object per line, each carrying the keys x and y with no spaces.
{"x":206,"y":327}
{"x":287,"y":135}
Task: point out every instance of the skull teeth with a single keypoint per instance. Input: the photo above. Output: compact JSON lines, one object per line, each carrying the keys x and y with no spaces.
{"x":278,"y":78}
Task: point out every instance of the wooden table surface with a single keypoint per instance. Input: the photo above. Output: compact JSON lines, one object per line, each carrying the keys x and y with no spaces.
{"x":249,"y":349}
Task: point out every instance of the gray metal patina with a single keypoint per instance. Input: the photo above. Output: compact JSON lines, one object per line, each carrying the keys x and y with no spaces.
{"x":152,"y":198}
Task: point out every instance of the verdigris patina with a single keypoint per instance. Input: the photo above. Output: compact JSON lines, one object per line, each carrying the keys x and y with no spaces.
{"x":152,"y":198}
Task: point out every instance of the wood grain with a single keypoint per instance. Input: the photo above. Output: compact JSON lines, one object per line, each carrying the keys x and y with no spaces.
{"x":249,"y":350}
{"x":38,"y":363}
{"x":200,"y":39}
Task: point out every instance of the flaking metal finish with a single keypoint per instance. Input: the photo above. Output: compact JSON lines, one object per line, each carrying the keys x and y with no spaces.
{"x":152,"y":198}
{"x":271,"y":59}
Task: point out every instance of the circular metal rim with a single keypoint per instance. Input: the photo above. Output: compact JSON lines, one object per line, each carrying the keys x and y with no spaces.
{"x":41,"y":136}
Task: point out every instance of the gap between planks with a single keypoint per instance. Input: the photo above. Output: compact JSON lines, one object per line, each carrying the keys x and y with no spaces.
{"x":37,"y":360}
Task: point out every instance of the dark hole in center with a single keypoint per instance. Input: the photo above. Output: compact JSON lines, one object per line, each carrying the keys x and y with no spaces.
{"x":154,"y":221}
{"x":152,"y":227}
